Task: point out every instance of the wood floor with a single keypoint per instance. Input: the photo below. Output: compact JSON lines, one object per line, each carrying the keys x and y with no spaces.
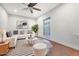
{"x":61,"y":50}
{"x":58,"y":50}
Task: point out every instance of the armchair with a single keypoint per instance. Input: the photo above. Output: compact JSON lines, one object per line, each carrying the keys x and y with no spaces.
{"x":12,"y":39}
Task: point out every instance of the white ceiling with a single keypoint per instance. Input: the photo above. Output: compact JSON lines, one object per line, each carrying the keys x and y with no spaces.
{"x":45,"y":7}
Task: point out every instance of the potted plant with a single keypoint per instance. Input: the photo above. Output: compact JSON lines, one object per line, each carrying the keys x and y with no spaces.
{"x":35,"y":29}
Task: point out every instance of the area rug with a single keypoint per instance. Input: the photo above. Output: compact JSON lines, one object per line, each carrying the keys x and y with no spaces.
{"x":20,"y":52}
{"x":21,"y":49}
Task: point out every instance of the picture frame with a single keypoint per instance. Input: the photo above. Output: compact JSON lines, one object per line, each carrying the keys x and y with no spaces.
{"x":21,"y":24}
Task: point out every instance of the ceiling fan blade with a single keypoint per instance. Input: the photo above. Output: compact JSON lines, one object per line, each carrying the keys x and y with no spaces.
{"x":36,"y":9}
{"x":31,"y":4}
{"x":31,"y":10}
{"x":24,"y":3}
{"x":24,"y":8}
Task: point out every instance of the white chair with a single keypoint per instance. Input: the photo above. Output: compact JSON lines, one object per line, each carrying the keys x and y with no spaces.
{"x":13,"y":41}
{"x":29,"y":39}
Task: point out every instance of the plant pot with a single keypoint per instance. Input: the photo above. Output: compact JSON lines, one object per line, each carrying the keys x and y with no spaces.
{"x":36,"y":34}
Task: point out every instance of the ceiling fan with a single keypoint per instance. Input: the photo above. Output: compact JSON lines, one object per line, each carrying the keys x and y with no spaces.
{"x":30,"y":7}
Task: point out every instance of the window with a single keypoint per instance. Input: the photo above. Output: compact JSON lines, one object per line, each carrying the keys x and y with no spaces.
{"x":46,"y":28}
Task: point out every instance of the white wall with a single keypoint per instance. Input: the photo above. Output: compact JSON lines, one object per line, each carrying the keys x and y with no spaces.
{"x":3,"y":21}
{"x":13,"y":19}
{"x":3,"y":18}
{"x":64,"y":24}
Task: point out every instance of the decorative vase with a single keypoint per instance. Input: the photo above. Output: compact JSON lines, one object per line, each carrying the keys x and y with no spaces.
{"x":1,"y":39}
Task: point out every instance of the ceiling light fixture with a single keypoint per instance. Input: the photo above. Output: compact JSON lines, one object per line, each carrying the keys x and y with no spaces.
{"x":15,"y":10}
